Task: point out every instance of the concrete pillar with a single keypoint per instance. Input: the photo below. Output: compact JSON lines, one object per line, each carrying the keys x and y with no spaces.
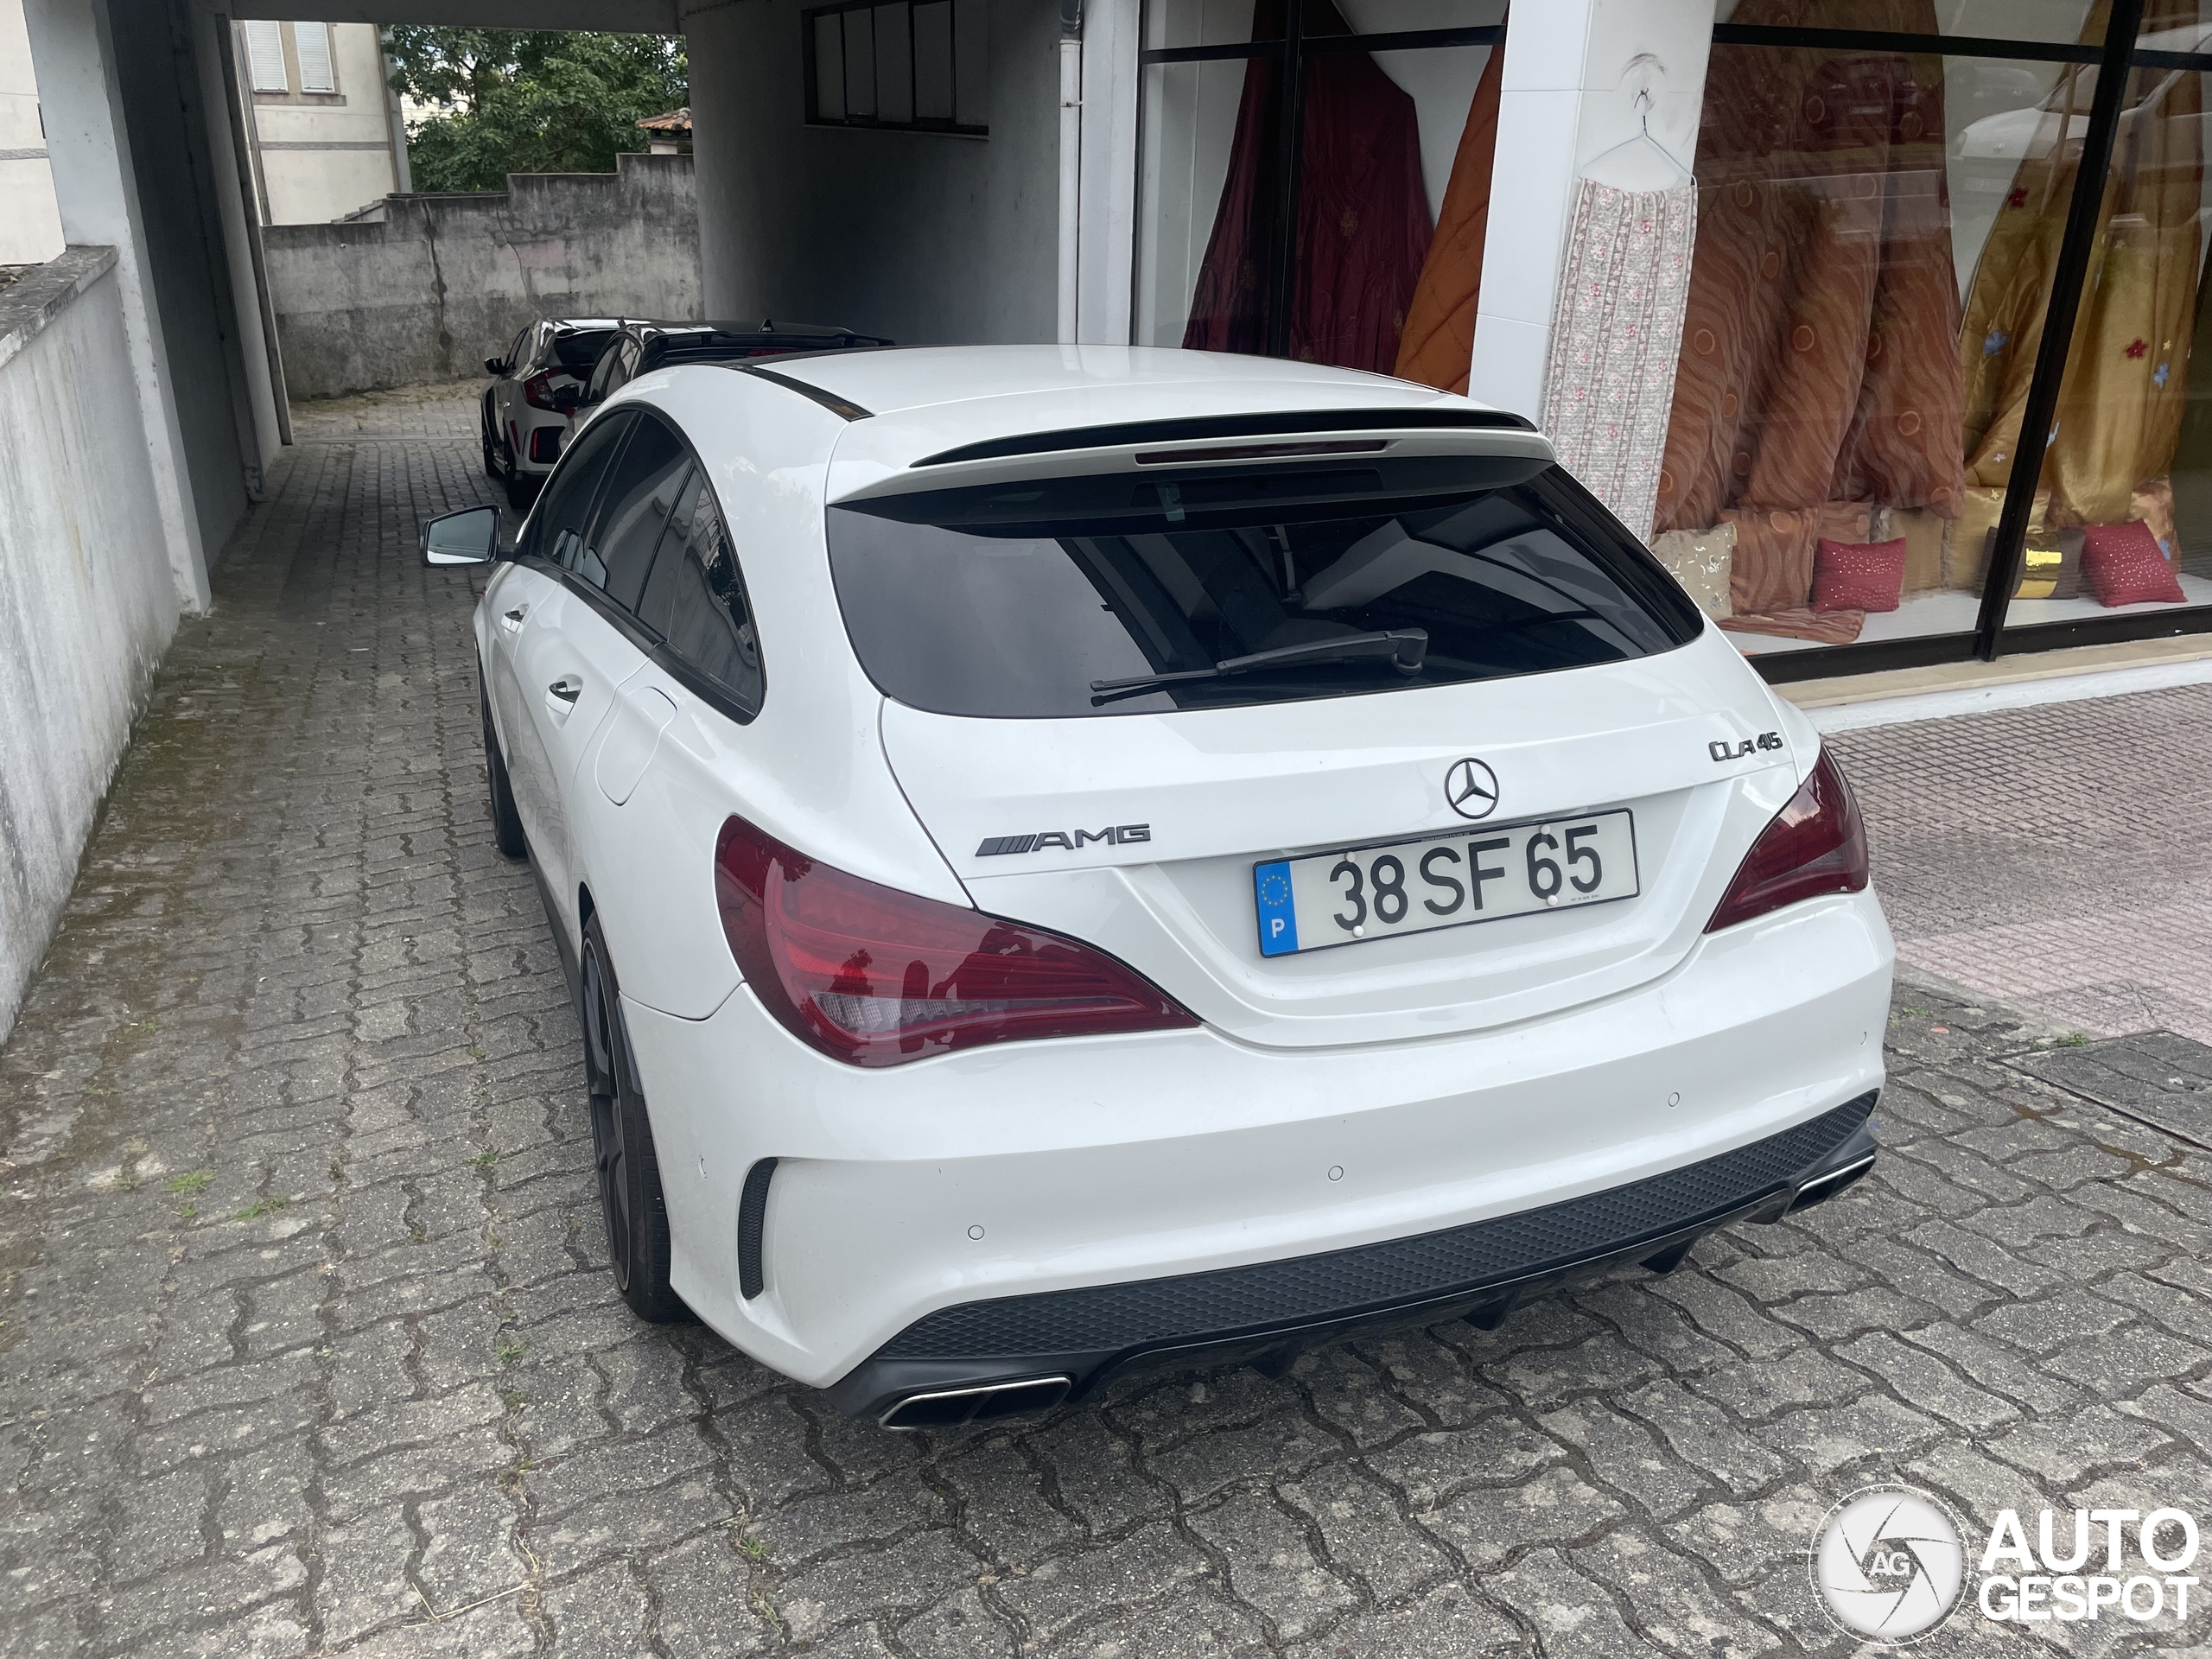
{"x":726,"y":64}
{"x":258,"y":360}
{"x":88,"y":144}
{"x":1106,"y":261}
{"x":1580,"y":76}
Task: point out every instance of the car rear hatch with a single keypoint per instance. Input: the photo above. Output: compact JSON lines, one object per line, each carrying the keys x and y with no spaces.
{"x":1145,"y":818}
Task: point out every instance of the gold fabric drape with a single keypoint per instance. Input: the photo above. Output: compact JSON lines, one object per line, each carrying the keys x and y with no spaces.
{"x":2126,"y":385}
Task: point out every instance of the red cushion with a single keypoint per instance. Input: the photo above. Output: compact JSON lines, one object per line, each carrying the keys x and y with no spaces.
{"x":2125,"y":565}
{"x":1858,"y":577}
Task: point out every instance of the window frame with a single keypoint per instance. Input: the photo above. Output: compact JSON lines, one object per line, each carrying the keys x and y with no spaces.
{"x":625,"y":622}
{"x":952,"y":126}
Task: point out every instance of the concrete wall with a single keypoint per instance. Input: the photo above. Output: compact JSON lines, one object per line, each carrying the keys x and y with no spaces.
{"x":30,"y":224}
{"x":445,"y":282}
{"x":87,"y":599}
{"x":925,"y":236}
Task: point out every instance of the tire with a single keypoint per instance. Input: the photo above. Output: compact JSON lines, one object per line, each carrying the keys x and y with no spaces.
{"x":506,"y":822}
{"x":520,"y":491}
{"x":622,"y":1138}
{"x":491,"y":448}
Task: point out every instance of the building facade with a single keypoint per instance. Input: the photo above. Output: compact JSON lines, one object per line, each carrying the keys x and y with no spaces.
{"x":1788,"y":280}
{"x":322,"y":123}
{"x":30,"y":223}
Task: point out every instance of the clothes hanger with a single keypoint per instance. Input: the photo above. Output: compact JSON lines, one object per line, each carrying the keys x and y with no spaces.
{"x":1643,"y":99}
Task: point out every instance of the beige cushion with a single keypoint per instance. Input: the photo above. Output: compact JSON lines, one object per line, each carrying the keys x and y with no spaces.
{"x":1923,"y":533}
{"x":1700,"y":561}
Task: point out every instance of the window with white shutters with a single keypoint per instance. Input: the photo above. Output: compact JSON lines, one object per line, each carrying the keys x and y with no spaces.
{"x":264,"y":57}
{"x":316,"y":73}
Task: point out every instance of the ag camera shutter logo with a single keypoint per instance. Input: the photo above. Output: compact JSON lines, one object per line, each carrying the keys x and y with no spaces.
{"x":1889,"y":1564}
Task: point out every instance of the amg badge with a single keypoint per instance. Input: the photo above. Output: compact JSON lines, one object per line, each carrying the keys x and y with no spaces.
{"x":1113,"y":834}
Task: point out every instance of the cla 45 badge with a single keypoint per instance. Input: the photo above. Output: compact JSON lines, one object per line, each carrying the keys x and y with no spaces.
{"x":1722,"y":749}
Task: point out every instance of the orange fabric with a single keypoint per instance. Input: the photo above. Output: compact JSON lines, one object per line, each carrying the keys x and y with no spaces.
{"x":1827,"y":627}
{"x":1440,"y":341}
{"x":1776,"y":547}
{"x":1819,"y":361}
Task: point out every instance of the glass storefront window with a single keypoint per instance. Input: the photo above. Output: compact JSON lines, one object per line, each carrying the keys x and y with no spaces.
{"x":1354,"y":238}
{"x":1835,"y":440}
{"x":2121,"y":521}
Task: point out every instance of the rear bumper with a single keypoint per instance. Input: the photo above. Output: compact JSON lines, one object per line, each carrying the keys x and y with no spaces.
{"x":1034,"y":1168}
{"x":983,"y":1359}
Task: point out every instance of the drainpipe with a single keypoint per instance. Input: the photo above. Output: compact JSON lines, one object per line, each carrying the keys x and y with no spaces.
{"x":1071,"y":159}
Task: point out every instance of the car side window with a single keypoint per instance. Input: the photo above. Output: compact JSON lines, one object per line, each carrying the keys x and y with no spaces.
{"x":695,"y":600}
{"x":518,"y":354}
{"x":635,"y":509}
{"x":556,"y":528}
{"x":628,"y":371}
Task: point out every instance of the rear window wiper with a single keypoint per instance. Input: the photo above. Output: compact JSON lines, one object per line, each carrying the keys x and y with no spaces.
{"x":1404,"y":648}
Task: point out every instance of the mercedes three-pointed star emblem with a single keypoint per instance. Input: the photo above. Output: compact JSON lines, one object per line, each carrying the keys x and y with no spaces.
{"x":1470,"y":789}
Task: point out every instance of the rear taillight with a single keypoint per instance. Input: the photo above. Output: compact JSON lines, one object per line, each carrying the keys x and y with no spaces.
{"x":1817,"y":845}
{"x":537,"y":391}
{"x":873,"y":976}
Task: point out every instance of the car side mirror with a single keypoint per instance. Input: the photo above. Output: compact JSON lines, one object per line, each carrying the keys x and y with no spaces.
{"x":495,"y":366}
{"x":469,"y":537}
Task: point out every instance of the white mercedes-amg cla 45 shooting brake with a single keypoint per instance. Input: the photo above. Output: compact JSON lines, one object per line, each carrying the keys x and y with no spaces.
{"x":1079,"y":859}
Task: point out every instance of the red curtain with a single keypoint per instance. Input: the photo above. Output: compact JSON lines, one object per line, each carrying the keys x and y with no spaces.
{"x":1363,"y":228}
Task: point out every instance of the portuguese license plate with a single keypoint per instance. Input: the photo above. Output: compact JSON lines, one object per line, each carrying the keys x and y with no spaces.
{"x":1472,"y":875}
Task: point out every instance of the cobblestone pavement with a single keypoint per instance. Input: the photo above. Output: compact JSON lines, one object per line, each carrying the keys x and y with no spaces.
{"x":2059,"y":857}
{"x":307,"y":1347}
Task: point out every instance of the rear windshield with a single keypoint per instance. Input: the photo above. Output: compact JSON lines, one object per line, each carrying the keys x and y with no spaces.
{"x":580,"y":349}
{"x":1080,"y":596}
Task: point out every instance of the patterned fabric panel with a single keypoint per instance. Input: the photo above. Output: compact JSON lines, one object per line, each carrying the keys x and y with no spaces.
{"x":1616,"y":329}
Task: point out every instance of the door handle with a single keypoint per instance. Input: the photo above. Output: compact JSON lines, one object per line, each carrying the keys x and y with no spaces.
{"x":511,"y":620}
{"x":566,"y":690}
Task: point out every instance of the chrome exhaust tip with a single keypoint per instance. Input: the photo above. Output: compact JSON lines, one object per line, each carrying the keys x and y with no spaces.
{"x":983,"y":1403}
{"x":1822,"y":1188}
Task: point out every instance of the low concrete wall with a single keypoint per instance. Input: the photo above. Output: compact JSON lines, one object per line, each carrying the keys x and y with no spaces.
{"x":87,"y":600}
{"x":445,"y":282}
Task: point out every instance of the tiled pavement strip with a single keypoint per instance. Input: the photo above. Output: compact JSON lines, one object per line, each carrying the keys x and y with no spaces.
{"x":307,"y":1347}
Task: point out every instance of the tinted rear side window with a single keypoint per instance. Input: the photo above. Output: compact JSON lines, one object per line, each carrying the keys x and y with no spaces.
{"x":635,"y":507}
{"x":1014,"y":602}
{"x":695,"y":598}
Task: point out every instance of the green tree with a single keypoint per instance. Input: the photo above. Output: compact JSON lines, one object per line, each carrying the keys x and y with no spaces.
{"x":524,"y":101}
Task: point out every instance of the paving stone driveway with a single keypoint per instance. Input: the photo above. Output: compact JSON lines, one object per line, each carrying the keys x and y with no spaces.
{"x":307,"y":1348}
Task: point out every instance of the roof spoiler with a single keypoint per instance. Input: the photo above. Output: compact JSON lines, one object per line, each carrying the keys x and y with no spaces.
{"x":1230,"y":426}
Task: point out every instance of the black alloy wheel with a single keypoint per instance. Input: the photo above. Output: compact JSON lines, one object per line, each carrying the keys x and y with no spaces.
{"x":506,"y":822}
{"x":629,"y":1173}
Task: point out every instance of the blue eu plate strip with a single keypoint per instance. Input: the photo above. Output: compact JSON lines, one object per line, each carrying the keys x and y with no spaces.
{"x":1278,"y":909}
